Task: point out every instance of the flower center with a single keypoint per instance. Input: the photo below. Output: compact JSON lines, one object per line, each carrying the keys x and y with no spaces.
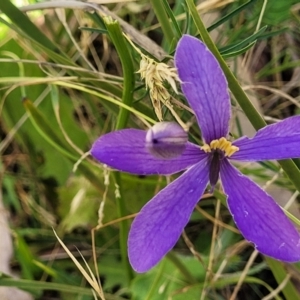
{"x":221,"y":144}
{"x":219,"y":149}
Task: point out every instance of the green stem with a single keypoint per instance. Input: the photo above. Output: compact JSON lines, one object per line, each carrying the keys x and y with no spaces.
{"x":121,"y":45}
{"x":124,"y":227}
{"x":163,"y":19}
{"x":181,"y":267}
{"x":116,"y":35}
{"x":280,"y":273}
{"x":252,"y":114}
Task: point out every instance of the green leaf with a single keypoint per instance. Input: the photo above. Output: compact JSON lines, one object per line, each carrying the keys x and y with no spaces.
{"x":24,"y":23}
{"x":166,"y":280}
{"x":40,"y":286}
{"x":238,"y":52}
{"x":46,"y":130}
{"x":78,"y":204}
{"x":237,"y":46}
{"x":280,"y":273}
{"x":173,"y":20}
{"x":231,"y":15}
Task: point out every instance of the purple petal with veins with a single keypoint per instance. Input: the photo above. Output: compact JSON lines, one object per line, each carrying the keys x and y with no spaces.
{"x":126,"y":151}
{"x":259,"y":218}
{"x":277,"y":141}
{"x":205,"y":87}
{"x":159,"y":224}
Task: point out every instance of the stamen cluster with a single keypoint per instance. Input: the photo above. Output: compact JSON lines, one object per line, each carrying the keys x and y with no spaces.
{"x":222,"y":144}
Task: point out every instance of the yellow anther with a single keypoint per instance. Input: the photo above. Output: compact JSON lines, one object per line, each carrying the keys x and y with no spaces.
{"x":214,"y":144}
{"x":221,"y":144}
{"x":232,"y":150}
{"x":205,"y":148}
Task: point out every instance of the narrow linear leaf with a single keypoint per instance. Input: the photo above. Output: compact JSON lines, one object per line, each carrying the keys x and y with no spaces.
{"x":280,"y":273}
{"x":91,"y":280}
{"x":42,"y":125}
{"x":173,"y":19}
{"x":238,"y":46}
{"x":230,"y":15}
{"x":39,"y":286}
{"x":238,"y":52}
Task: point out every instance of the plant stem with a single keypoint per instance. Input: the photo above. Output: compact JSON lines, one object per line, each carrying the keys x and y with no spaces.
{"x":163,"y":19}
{"x":180,"y":266}
{"x":116,"y":35}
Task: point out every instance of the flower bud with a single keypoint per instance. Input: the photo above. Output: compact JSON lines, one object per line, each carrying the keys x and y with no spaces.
{"x":166,"y":140}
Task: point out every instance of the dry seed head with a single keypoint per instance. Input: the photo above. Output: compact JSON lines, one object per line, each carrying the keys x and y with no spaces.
{"x":155,"y":74}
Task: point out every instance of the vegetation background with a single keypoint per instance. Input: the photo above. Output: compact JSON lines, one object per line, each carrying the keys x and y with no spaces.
{"x":69,"y":75}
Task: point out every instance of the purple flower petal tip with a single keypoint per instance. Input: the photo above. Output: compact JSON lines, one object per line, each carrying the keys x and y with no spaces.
{"x":205,"y":87}
{"x":166,"y":140}
{"x":282,"y":137}
{"x":159,"y":224}
{"x":259,"y":218}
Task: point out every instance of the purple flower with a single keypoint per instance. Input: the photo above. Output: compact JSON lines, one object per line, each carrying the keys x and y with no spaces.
{"x":159,"y":224}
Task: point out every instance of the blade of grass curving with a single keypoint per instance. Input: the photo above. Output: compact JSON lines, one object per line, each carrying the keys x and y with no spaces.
{"x":101,"y":31}
{"x":272,"y":33}
{"x":280,"y":273}
{"x":91,"y":280}
{"x":232,"y":280}
{"x":65,"y":60}
{"x":40,"y":286}
{"x":239,"y":45}
{"x":173,"y":19}
{"x":56,"y":108}
{"x":106,"y":98}
{"x":231,"y":49}
{"x":47,"y":132}
{"x":267,"y":71}
{"x":230,"y":15}
{"x":92,"y":276}
{"x":188,"y":276}
{"x":252,"y":114}
{"x":163,"y":19}
{"x":238,"y":52}
{"x":156,"y":282}
{"x":21,"y":69}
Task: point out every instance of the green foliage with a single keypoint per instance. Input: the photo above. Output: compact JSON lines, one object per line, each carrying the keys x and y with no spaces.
{"x":68,"y":76}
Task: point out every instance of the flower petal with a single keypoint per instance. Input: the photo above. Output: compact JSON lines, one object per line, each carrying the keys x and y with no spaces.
{"x":125,"y":150}
{"x":205,"y":87}
{"x":166,"y":140}
{"x":159,"y":224}
{"x":276,"y":141}
{"x":259,"y":218}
